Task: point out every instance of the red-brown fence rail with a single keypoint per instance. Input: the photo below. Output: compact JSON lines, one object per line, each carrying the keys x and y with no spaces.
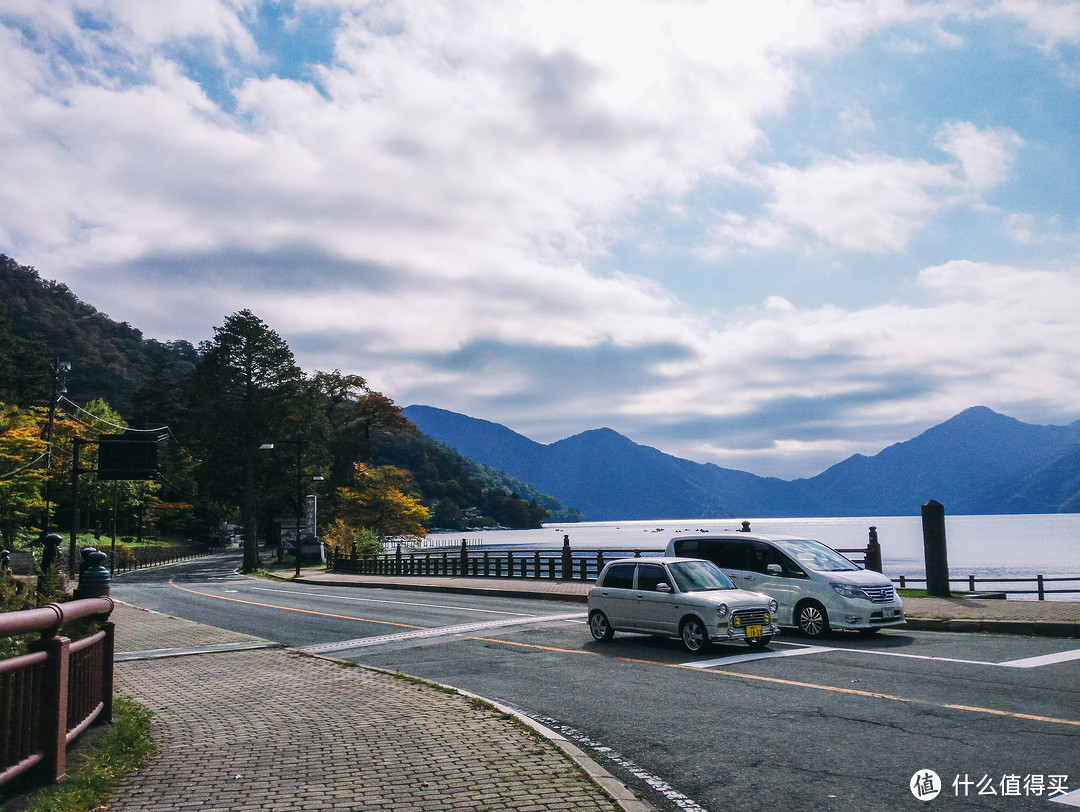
{"x":52,"y":694}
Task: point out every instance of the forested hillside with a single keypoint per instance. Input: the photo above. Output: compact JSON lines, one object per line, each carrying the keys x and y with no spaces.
{"x":215,"y":429}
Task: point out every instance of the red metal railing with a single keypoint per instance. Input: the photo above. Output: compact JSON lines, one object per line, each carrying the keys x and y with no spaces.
{"x":52,"y":694}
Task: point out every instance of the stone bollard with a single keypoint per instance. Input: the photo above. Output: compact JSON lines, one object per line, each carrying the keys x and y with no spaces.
{"x":934,"y":550}
{"x":94,"y":578}
{"x":873,"y":552}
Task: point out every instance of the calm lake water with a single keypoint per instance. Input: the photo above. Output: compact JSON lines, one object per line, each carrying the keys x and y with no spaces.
{"x":983,"y":546}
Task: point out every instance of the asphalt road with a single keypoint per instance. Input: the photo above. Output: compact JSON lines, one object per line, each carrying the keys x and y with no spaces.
{"x":843,"y":724}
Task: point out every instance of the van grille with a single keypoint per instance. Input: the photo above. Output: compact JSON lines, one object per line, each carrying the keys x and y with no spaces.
{"x":880,"y":594}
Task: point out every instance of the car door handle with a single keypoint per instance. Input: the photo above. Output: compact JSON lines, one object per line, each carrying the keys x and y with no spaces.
{"x":748,"y":577}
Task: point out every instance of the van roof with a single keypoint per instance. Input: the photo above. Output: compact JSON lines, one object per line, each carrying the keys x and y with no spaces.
{"x":737,"y":535}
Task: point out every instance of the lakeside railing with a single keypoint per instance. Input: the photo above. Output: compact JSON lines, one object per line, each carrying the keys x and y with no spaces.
{"x":57,"y":690}
{"x":971,"y":582}
{"x":563,"y":563}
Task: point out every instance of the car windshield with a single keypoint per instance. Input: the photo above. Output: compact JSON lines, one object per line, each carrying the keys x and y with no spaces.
{"x":698,"y":576}
{"x":816,"y":556}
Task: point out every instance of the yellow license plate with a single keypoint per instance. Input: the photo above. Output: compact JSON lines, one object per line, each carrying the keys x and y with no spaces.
{"x":753,"y":631}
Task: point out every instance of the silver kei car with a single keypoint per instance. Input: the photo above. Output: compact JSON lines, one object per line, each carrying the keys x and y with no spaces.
{"x":685,"y":598}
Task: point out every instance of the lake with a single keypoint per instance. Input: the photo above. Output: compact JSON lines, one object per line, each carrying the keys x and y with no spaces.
{"x":1007,"y":546}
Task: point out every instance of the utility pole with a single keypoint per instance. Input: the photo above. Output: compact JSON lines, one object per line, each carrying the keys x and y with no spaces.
{"x":59,"y":370}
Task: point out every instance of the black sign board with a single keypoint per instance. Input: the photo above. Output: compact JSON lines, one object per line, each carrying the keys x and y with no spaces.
{"x":123,"y":457}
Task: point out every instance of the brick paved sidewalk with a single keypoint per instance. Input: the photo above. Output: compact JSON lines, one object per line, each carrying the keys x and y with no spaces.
{"x":273,"y":729}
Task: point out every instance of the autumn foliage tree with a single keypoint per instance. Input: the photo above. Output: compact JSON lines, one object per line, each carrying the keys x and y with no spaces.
{"x":382,"y":499}
{"x":22,"y":474}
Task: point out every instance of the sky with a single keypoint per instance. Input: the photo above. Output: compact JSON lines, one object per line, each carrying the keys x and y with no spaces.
{"x":763,"y":235}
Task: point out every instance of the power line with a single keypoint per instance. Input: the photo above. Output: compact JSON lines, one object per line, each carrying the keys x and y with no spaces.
{"x":33,"y":462}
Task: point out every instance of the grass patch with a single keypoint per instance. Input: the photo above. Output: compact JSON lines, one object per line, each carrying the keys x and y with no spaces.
{"x":912,"y":593}
{"x":104,"y":757}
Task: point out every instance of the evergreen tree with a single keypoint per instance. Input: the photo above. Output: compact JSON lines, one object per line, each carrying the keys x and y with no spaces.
{"x":244,"y":387}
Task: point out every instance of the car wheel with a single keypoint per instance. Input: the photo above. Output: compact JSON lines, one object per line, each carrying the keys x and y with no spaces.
{"x":600,"y":628}
{"x":812,"y":619}
{"x":694,"y":635}
{"x":757,"y":642}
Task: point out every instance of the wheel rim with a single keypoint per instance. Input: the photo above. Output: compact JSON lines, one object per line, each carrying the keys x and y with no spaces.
{"x":693,"y":635}
{"x":811,"y":621}
{"x":598,"y":626}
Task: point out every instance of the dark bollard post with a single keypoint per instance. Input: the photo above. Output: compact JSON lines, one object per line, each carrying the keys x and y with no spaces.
{"x":934,"y":550}
{"x":873,"y":552}
{"x":567,"y":558}
{"x":464,"y":557}
{"x":94,"y":578}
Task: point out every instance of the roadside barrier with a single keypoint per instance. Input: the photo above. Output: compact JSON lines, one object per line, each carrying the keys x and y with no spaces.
{"x":57,"y":690}
{"x":565,"y":563}
{"x":139,"y":557}
{"x":1040,"y":581}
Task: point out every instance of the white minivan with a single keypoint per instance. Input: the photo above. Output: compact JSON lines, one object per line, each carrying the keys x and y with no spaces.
{"x":817,"y":588}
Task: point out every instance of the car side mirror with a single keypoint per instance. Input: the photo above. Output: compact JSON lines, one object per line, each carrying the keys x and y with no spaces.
{"x":662,"y":587}
{"x":774,"y":569}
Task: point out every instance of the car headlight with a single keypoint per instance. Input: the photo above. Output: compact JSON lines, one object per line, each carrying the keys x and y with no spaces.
{"x":773,"y":606}
{"x":721,"y":610}
{"x":848,"y":591}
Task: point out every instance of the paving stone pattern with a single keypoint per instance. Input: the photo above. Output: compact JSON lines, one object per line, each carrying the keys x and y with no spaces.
{"x":276,"y":730}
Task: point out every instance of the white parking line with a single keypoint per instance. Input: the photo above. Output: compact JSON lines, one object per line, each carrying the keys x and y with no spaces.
{"x":805,"y":648}
{"x":757,"y":655}
{"x":1069,"y":799}
{"x":1045,"y":659}
{"x":445,"y":631}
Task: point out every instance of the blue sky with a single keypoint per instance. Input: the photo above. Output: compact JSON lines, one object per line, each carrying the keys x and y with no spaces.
{"x":766,"y":235}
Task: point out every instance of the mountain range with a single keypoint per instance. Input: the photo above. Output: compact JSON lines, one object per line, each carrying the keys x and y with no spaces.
{"x":978,"y":462}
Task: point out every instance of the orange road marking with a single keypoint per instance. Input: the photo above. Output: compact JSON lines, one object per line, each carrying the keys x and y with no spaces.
{"x":291,"y":609}
{"x":796,"y":683}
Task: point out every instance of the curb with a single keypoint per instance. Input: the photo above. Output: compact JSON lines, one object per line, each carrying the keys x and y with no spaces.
{"x":609,"y":784}
{"x":1037,"y":628}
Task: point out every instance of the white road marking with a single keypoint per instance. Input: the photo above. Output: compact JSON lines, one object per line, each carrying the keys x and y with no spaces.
{"x":1069,"y":798}
{"x":757,"y":655}
{"x":1045,"y":659}
{"x":805,"y":648}
{"x":353,"y":599}
{"x":445,"y":631}
{"x":655,"y":783}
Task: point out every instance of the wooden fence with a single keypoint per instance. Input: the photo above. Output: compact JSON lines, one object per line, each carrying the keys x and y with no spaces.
{"x":565,"y":563}
{"x":971,"y":582}
{"x":138,"y":557}
{"x":53,"y":693}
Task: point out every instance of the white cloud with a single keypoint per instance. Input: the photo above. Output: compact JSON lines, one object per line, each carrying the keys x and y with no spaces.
{"x":985,"y":155}
{"x":873,"y":203}
{"x":451,"y":179}
{"x":991,"y":334}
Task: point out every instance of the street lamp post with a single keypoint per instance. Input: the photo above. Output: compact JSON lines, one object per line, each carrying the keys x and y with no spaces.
{"x":299,"y":487}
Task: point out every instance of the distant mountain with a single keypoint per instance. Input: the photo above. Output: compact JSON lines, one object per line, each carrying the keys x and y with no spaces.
{"x":976,"y":462}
